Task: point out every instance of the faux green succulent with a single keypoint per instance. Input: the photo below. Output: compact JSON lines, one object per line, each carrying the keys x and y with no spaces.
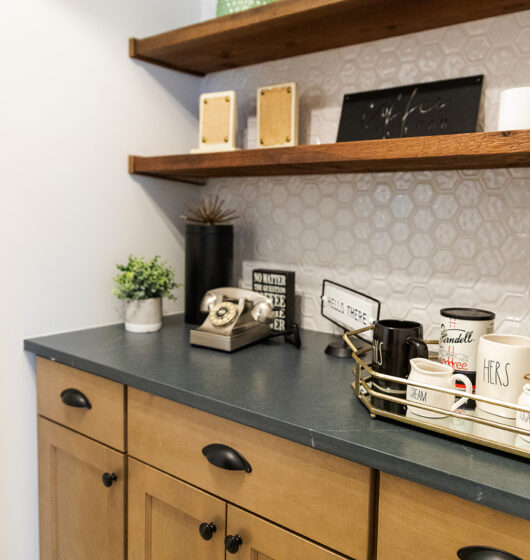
{"x":143,"y":280}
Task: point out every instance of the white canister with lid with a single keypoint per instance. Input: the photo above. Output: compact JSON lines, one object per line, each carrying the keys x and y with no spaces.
{"x":460,"y":331}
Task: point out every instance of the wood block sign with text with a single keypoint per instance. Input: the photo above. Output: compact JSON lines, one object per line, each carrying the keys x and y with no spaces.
{"x":278,"y":285}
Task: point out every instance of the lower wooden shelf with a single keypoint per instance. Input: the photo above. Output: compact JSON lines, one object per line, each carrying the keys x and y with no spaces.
{"x":479,"y":150}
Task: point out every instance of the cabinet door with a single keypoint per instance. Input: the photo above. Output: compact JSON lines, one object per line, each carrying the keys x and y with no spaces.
{"x":80,"y":517}
{"x":257,"y":539}
{"x":418,"y":523}
{"x":165,"y":516}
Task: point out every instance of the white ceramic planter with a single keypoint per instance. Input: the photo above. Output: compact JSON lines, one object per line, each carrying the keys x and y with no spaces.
{"x":143,"y":315}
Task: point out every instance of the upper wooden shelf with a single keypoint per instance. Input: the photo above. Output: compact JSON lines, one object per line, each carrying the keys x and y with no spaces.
{"x":479,"y":150}
{"x":293,"y":27}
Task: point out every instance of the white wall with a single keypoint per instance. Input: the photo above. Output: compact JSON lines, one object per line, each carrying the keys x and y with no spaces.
{"x":208,"y":9}
{"x":72,"y":107}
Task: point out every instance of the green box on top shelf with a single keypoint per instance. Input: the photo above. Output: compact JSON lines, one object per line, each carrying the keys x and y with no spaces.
{"x":225,"y":7}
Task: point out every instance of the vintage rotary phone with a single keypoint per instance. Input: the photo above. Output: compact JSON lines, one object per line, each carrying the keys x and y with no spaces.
{"x":236,"y":318}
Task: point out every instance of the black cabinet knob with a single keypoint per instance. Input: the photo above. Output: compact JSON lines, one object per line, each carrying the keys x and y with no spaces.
{"x":207,"y":530}
{"x":484,"y":553}
{"x":73,"y":397}
{"x":232,"y":543}
{"x":109,"y":479}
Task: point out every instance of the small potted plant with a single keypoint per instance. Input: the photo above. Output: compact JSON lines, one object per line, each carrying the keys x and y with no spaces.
{"x":144,"y":284}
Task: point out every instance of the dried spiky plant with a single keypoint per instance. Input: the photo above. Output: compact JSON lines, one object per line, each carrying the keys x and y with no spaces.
{"x":209,"y":211}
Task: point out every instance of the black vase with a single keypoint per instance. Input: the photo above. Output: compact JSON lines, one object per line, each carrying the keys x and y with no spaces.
{"x":209,"y":264}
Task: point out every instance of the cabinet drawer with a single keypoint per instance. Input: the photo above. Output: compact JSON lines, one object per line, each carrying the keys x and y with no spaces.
{"x":103,"y":421}
{"x":420,"y":523}
{"x":260,"y":540}
{"x":323,"y":497}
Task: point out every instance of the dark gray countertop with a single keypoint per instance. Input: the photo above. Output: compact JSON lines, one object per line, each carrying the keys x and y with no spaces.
{"x":302,"y":395}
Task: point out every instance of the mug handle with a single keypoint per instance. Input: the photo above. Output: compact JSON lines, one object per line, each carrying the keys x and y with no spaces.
{"x":469,"y":388}
{"x":421,"y":349}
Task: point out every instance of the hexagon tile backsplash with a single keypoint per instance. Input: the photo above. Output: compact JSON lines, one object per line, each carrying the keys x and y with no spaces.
{"x":417,"y":241}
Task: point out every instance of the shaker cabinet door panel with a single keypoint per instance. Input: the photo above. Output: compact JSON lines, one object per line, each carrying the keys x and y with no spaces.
{"x":257,"y":539}
{"x":420,"y":523}
{"x":80,"y":517}
{"x":165,"y":517}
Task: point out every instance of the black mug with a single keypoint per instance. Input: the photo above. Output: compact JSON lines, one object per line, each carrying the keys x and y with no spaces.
{"x":394,"y":344}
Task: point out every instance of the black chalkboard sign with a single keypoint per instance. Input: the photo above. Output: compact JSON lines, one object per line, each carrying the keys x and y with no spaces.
{"x":434,"y":108}
{"x":278,"y":285}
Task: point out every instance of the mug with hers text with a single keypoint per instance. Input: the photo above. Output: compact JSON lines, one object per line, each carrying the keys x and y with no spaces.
{"x":503,"y":360}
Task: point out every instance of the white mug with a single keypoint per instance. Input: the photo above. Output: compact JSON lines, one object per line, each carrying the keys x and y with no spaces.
{"x":523,"y":418}
{"x":441,"y":375}
{"x":498,"y":435}
{"x":502,"y":362}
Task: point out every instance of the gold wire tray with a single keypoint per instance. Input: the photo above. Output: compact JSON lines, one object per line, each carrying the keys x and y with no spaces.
{"x":488,"y":430}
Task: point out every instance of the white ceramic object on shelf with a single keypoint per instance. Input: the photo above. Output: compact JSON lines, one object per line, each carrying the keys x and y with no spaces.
{"x":514,"y":109}
{"x":143,"y":315}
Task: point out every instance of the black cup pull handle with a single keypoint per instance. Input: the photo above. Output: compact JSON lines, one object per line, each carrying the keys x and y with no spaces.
{"x":232,"y":543}
{"x":73,"y":397}
{"x":108,"y":479}
{"x":485,"y":553}
{"x":417,"y":347}
{"x":207,"y":530}
{"x":225,"y":457}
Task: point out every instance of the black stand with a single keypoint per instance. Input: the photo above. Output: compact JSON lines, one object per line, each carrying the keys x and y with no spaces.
{"x":338,"y":348}
{"x":292,"y":336}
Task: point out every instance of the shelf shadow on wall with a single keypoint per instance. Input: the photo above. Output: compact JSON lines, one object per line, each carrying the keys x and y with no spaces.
{"x":170,"y":204}
{"x":184,"y":88}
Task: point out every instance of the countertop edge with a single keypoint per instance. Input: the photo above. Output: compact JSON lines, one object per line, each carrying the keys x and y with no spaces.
{"x":479,"y":493}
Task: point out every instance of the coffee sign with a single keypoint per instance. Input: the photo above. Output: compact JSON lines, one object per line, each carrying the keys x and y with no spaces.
{"x":347,"y":308}
{"x":427,"y":109}
{"x":278,"y":286}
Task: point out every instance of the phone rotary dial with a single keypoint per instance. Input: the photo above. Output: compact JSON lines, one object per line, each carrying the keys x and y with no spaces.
{"x":223,"y":313}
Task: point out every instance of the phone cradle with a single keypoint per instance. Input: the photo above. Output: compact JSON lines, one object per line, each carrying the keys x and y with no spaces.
{"x":229,"y":343}
{"x":235,"y":319}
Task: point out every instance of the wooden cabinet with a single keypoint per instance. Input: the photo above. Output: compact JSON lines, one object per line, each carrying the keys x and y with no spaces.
{"x":165,"y":516}
{"x":318,"y":495}
{"x":294,"y":503}
{"x":80,"y":517}
{"x":258,"y":539}
{"x":420,"y":523}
